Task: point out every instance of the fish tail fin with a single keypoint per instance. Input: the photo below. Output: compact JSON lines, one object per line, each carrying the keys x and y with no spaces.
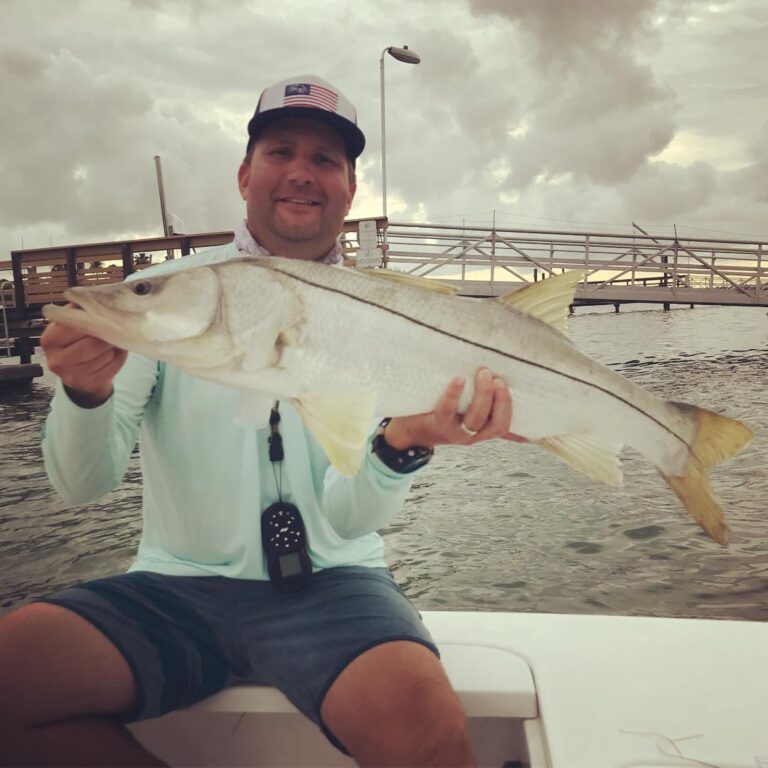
{"x":716,"y":438}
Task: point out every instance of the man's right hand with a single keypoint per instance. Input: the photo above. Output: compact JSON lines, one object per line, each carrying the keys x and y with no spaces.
{"x":86,"y":365}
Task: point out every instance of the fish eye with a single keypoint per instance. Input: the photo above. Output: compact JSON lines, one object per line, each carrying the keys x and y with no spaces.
{"x":142,"y":287}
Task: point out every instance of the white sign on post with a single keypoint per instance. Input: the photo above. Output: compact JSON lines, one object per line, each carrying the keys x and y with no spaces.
{"x":369,"y":255}
{"x":367,"y":258}
{"x":367,"y":236}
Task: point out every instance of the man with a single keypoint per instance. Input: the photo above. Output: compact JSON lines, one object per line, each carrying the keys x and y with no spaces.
{"x":201,"y":608}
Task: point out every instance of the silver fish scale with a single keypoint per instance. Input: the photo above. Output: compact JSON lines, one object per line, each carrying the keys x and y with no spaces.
{"x":406,"y":343}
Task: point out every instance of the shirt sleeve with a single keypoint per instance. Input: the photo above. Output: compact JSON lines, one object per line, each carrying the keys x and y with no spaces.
{"x":366,"y":502}
{"x":87,"y":450}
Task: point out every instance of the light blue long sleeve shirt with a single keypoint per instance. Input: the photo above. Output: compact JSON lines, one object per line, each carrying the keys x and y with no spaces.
{"x":206,"y":480}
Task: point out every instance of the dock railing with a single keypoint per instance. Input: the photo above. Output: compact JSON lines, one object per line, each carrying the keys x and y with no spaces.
{"x":485,"y":260}
{"x":6,"y":300}
{"x":40,"y":276}
{"x":482,"y":261}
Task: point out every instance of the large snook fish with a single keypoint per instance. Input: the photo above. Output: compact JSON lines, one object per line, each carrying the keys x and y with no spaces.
{"x":345,"y":346}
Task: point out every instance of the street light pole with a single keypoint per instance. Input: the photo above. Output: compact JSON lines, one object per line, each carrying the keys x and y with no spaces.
{"x":407,"y":56}
{"x":383,"y":137}
{"x":161,"y":190}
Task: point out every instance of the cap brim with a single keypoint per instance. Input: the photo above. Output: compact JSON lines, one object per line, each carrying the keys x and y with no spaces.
{"x":353,"y":137}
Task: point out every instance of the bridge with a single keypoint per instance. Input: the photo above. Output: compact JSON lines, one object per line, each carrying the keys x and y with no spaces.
{"x":482,"y":262}
{"x":619,"y":268}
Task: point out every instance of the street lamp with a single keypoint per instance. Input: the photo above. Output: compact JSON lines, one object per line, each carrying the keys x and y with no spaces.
{"x":407,"y":56}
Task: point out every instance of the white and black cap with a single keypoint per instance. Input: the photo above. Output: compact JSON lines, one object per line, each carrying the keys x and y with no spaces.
{"x":311,"y":97}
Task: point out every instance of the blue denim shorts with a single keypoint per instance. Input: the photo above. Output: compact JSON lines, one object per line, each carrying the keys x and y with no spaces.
{"x":187,"y":637}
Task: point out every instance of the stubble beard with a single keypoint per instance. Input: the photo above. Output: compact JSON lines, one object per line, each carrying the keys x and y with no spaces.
{"x":297,"y":233}
{"x":307,"y":240}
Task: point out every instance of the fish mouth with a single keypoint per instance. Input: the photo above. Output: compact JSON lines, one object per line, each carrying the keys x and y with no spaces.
{"x":87,"y":314}
{"x":84,"y":301}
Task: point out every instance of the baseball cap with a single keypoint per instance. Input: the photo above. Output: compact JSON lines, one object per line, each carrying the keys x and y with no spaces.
{"x":312,"y":97}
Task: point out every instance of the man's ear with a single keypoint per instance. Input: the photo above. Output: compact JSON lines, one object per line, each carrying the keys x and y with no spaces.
{"x":243,"y":175}
{"x":352,"y":190}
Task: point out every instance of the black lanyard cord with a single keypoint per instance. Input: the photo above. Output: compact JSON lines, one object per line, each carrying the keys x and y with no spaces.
{"x":283,"y":535}
{"x":276,"y":452}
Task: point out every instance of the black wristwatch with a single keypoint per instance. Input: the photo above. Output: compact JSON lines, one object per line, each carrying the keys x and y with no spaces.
{"x":402,"y":462}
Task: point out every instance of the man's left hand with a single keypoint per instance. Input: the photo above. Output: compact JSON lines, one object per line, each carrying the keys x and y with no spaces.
{"x":488,"y":416}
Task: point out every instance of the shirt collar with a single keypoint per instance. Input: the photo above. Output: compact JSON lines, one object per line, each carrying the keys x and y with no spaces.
{"x":247,"y":245}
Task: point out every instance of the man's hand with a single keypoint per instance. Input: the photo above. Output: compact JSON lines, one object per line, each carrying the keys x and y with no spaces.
{"x":488,"y":416}
{"x":86,"y":365}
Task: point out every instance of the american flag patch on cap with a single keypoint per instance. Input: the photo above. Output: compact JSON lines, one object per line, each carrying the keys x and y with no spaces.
{"x":305,"y":95}
{"x":310,"y":95}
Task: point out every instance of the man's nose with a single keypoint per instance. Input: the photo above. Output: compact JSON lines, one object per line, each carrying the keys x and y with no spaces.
{"x":300,"y":170}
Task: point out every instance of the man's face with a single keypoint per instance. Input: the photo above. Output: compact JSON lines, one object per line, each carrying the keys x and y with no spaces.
{"x":297,"y":188}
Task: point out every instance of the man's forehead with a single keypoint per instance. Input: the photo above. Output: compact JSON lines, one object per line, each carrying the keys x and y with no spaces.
{"x":294,"y":128}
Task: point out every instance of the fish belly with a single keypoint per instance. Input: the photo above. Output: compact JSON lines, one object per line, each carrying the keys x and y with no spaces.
{"x":353,"y":348}
{"x":407,"y":359}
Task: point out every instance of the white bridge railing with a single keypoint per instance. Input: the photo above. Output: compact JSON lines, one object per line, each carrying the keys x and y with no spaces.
{"x":482,"y":261}
{"x":617,"y":266}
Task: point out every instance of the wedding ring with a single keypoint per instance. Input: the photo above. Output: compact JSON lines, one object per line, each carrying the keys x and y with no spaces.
{"x":468,"y":431}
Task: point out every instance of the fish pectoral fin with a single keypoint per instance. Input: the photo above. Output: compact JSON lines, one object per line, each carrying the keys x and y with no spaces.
{"x":254,"y":409}
{"x":416,"y":282}
{"x":548,"y":300}
{"x":588,"y":454}
{"x":340,"y":422}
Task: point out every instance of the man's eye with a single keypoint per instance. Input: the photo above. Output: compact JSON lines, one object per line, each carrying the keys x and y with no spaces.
{"x":281,"y":152}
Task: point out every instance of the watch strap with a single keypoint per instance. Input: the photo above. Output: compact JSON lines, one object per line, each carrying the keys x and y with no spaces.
{"x":401,"y":461}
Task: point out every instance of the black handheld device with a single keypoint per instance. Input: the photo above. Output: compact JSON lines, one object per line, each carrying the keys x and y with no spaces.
{"x":284,"y":539}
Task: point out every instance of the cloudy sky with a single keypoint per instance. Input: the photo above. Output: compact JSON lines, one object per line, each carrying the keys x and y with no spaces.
{"x":555,"y":114}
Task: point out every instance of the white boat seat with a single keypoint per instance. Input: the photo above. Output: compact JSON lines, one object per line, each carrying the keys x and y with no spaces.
{"x":489,"y":681}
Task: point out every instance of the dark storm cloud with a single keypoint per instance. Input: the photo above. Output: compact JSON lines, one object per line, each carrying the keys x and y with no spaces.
{"x":84,"y":145}
{"x":664,"y":191}
{"x":81,"y":122}
{"x":559,"y":32}
{"x":546,"y":110}
{"x":596,"y":112}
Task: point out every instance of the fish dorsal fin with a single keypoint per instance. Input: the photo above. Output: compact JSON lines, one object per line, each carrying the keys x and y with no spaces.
{"x":340,"y":422}
{"x":547,"y":300}
{"x":588,"y":454}
{"x":416,"y":282}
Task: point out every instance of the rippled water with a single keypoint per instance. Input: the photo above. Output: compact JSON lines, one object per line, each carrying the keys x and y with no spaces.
{"x":498,"y":526}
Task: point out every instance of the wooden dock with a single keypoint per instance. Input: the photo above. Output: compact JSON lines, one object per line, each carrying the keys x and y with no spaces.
{"x":41,"y":275}
{"x":18,"y":374}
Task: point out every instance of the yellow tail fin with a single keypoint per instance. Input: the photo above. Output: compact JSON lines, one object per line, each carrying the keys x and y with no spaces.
{"x":717,"y":438}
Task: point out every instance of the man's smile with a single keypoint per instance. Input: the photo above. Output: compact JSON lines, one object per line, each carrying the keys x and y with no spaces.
{"x":297,"y":201}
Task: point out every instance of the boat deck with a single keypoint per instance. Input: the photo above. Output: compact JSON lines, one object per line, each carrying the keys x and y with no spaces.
{"x":542,"y":690}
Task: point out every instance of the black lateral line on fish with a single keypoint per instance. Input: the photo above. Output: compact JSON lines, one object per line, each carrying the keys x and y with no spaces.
{"x":485,"y":347}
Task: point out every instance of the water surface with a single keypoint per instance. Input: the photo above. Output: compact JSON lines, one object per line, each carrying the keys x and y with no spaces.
{"x":499,"y":526}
